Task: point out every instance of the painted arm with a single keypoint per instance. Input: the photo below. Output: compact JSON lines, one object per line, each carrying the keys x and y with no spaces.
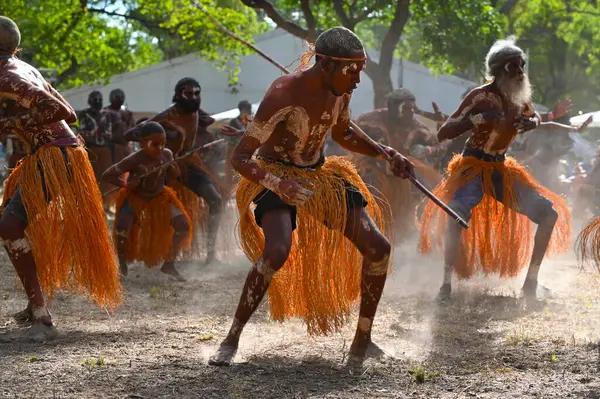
{"x":469,"y":114}
{"x":348,"y":139}
{"x":73,"y":117}
{"x":273,"y":109}
{"x":173,"y":171}
{"x":113,"y":174}
{"x":43,"y":107}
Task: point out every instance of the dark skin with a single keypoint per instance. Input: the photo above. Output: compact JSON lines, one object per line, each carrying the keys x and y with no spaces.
{"x":507,"y":120}
{"x":40,"y":115}
{"x":314,"y":93}
{"x":182,"y":132}
{"x":152,"y":156}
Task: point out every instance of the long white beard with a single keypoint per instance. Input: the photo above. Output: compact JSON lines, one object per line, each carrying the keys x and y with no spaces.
{"x":516,"y":92}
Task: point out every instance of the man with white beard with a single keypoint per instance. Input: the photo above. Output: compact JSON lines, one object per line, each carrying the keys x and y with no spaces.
{"x":493,"y":191}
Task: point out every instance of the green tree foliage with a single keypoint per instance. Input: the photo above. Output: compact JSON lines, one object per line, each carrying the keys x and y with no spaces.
{"x":563,"y":38}
{"x":90,"y":41}
{"x":432,"y":27}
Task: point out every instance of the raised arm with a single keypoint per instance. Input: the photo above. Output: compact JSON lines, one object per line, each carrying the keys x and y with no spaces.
{"x":43,"y":107}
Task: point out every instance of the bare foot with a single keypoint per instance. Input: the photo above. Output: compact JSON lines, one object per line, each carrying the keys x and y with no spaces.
{"x":169,"y":268}
{"x":367,"y":349}
{"x":210,"y":258}
{"x":23,"y":316}
{"x":224,"y":355}
{"x":444,"y":294}
{"x":533,"y":290}
{"x":42,"y":330}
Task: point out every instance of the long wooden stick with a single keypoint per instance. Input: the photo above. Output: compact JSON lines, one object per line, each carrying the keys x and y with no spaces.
{"x":353,"y":125}
{"x":165,"y":165}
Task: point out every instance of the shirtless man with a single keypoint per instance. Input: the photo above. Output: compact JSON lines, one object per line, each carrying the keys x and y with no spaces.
{"x":181,"y":118}
{"x":120,"y":120}
{"x":499,"y":237}
{"x":94,"y":128}
{"x":53,"y":194}
{"x":292,"y":183}
{"x":141,"y":202}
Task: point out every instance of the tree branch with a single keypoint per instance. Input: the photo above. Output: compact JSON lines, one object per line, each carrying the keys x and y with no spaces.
{"x":311,"y":22}
{"x":339,"y":10}
{"x":281,"y":22}
{"x":68,"y":72}
{"x":390,"y":41}
{"x":507,"y":7}
{"x":146,"y":22}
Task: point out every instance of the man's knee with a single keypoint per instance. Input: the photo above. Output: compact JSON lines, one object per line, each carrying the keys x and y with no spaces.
{"x":181,"y":225}
{"x":11,"y":227}
{"x":543,"y":212}
{"x":275,"y":255}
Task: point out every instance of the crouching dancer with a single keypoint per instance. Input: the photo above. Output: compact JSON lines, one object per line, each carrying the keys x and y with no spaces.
{"x":151,"y":224}
{"x":307,"y":205}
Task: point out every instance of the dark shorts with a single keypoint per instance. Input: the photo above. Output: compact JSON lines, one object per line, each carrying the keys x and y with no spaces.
{"x":267,"y":200}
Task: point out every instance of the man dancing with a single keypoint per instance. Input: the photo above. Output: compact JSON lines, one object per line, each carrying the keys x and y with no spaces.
{"x":493,"y":189}
{"x":94,"y":127}
{"x":397,"y":126}
{"x":182,"y":118}
{"x":293,"y":185}
{"x":53,"y":224}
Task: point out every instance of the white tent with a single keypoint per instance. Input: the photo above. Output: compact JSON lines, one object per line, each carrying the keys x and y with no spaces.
{"x":232,"y":113}
{"x":579,"y":119}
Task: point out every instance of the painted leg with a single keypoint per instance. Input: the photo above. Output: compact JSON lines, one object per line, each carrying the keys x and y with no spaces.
{"x":180,"y":231}
{"x":12,"y":232}
{"x":277,"y":227}
{"x":376,"y":250}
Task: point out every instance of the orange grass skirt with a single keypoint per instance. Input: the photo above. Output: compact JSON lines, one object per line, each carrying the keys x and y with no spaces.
{"x":69,"y":236}
{"x":320,"y":281}
{"x":499,"y":239}
{"x":151,"y":238}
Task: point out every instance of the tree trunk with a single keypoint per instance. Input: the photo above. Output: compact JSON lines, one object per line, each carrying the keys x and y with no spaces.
{"x":382,"y":84}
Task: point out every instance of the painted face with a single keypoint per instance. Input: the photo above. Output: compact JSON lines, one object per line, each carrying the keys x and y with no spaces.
{"x":344,"y":76}
{"x":515,"y":68}
{"x":154,"y":145}
{"x":189,"y":100}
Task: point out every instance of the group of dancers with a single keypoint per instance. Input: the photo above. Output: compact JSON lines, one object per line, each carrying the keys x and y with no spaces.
{"x":319,"y":237}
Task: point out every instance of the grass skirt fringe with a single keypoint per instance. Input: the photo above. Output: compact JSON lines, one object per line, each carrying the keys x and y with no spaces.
{"x":320,"y":281}
{"x":395,"y":193}
{"x":68,"y":235}
{"x":151,"y":237}
{"x":197,"y":211}
{"x":499,"y":239}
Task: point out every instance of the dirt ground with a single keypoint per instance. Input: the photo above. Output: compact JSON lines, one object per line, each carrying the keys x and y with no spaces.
{"x":486,"y":343}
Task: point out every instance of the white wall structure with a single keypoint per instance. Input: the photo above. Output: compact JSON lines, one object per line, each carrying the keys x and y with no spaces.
{"x":150,"y":89}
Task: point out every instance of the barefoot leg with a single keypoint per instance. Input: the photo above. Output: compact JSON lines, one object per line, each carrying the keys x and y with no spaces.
{"x":124,"y":224}
{"x":12,"y":232}
{"x":376,"y":250}
{"x":277,"y":227}
{"x":180,"y":231}
{"x":540,"y":210}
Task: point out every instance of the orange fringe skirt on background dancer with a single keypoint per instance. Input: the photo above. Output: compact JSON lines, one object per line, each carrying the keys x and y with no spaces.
{"x":151,"y":237}
{"x":320,"y":282}
{"x":499,"y":239}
